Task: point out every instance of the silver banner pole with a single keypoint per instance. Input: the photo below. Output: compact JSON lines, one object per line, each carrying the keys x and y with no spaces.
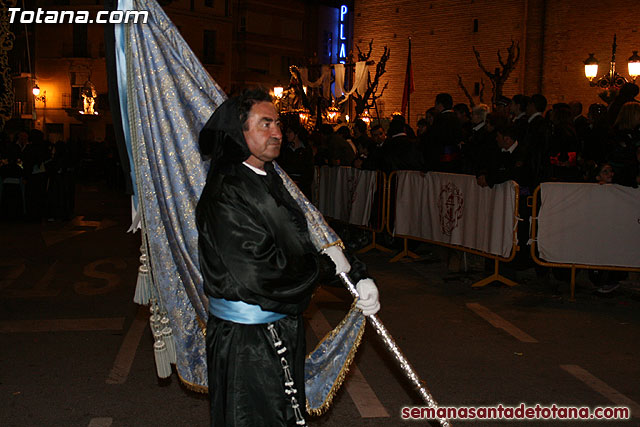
{"x":391,"y":345}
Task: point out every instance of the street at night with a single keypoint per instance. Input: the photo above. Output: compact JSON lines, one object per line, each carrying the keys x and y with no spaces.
{"x":76,"y":350}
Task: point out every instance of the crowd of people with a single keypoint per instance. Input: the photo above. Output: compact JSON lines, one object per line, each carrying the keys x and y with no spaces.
{"x":38,"y":177}
{"x":519,"y":139}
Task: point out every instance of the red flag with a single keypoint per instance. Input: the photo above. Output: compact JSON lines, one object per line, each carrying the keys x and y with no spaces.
{"x":408,"y":85}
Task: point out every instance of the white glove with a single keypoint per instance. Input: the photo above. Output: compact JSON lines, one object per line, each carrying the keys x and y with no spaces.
{"x":369,"y":301}
{"x":335,"y":253}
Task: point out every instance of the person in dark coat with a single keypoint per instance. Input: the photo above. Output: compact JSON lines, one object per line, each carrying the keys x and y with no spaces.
{"x":563,"y":146}
{"x":472,"y":149}
{"x":296,"y":157}
{"x":595,"y":142}
{"x":627,"y":93}
{"x":622,"y":149}
{"x":339,"y":151}
{"x":375,"y":154}
{"x":580,"y":122}
{"x":363,"y":143}
{"x":536,"y":139}
{"x":399,"y":151}
{"x":259,"y":270}
{"x":518,"y":110}
{"x":441,"y":144}
{"x":509,"y":162}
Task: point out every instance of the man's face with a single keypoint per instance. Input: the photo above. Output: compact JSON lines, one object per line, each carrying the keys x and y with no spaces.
{"x":263,"y":134}
{"x":23,"y":138}
{"x":504,"y":141}
{"x":531,"y":109}
{"x":378,"y":135}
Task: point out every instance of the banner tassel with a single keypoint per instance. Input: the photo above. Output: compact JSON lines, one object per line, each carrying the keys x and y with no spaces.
{"x":167,"y":335}
{"x":163,"y":365}
{"x":143,"y":284}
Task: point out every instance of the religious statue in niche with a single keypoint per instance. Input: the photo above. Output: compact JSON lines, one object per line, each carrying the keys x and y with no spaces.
{"x":89,"y":96}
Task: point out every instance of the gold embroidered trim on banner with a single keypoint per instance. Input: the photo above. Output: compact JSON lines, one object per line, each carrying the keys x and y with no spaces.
{"x":192,"y":386}
{"x":345,"y":367}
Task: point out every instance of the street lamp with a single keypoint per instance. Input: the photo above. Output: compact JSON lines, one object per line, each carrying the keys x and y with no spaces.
{"x":591,"y":67}
{"x":36,"y":90}
{"x":612,"y":80}
{"x":634,"y":65}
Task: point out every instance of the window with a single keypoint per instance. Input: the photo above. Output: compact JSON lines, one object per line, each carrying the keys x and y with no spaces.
{"x":208,"y":3}
{"x":209,"y":44}
{"x":66,"y":100}
{"x":80,"y":41}
{"x":76,"y":98}
{"x":475,"y":25}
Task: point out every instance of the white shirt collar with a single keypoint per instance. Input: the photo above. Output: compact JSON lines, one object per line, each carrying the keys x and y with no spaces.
{"x":479,"y":126}
{"x":511,"y":149}
{"x":255,"y":169}
{"x":534,"y":115}
{"x":519,"y":116}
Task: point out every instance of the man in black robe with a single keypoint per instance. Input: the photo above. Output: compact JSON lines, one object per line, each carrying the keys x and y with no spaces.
{"x":259,"y":268}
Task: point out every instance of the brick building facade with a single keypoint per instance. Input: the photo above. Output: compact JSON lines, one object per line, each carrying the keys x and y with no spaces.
{"x":555,"y":37}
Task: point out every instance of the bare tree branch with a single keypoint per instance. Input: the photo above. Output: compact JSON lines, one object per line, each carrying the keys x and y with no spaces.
{"x":362,"y":56}
{"x":480,"y":64}
{"x":370,"y":94}
{"x":466,"y":92}
{"x":512,"y":60}
{"x":382,"y":91}
{"x":500,"y":59}
{"x":502,"y":73}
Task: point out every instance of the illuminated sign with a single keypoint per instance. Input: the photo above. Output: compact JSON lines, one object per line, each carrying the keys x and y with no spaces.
{"x":342,"y":41}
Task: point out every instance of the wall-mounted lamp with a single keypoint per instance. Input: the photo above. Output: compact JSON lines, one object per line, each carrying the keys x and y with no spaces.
{"x":36,"y":94}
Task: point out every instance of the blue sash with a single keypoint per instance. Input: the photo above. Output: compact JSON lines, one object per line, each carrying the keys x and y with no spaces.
{"x":241,"y":312}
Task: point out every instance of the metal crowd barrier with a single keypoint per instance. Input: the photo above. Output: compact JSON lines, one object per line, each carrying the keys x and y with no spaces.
{"x":377,"y":218}
{"x":535,"y":206}
{"x":496,"y":276}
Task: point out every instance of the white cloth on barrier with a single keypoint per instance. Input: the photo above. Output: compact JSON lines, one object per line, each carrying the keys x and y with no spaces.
{"x":454,"y":209}
{"x":346,"y":194}
{"x":589,"y":224}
